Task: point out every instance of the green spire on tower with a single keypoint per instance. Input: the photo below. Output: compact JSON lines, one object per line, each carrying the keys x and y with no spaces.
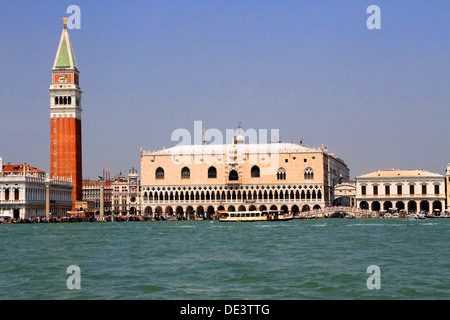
{"x":65,"y":57}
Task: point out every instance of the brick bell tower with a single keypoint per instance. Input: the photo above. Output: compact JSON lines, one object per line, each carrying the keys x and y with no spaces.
{"x":65,"y":117}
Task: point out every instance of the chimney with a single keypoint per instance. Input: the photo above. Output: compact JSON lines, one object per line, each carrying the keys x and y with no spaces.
{"x":301,"y":142}
{"x":1,"y":166}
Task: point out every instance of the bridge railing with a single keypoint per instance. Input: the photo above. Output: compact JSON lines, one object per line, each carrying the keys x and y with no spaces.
{"x":320,"y":213}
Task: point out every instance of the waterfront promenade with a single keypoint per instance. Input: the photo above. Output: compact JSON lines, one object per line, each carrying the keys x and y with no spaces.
{"x":326,"y":213}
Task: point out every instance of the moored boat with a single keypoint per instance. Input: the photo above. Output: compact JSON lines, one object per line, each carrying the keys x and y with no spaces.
{"x":278,"y":215}
{"x":251,"y":216}
{"x":417,"y":216}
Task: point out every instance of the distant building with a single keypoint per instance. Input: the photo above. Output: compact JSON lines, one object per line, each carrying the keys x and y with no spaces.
{"x":345,"y":194}
{"x":23,"y":192}
{"x":121,"y":195}
{"x":126,"y":193}
{"x":91,"y":194}
{"x":88,"y":207}
{"x":190,"y":180}
{"x":411,"y":190}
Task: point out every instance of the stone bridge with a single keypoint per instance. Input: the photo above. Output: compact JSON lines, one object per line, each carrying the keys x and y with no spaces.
{"x":346,"y":211}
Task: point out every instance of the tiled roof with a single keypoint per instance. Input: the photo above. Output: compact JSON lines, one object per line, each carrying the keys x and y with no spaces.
{"x":91,"y":183}
{"x":20,"y":168}
{"x":394,"y":173}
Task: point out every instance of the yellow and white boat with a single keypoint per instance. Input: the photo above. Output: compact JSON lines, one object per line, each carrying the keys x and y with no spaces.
{"x":250,"y":216}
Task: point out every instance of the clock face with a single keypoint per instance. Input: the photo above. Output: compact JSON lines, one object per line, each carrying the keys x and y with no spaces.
{"x":133,"y":199}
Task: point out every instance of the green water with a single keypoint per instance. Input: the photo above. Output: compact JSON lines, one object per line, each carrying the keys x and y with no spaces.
{"x":197,"y":260}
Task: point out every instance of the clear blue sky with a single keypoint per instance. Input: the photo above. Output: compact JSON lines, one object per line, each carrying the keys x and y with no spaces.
{"x":378,"y":99}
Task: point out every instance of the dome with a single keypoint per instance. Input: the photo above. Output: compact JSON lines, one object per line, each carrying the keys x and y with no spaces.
{"x":240,"y":139}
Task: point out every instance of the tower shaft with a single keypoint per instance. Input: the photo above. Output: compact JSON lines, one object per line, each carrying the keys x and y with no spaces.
{"x":65,"y":118}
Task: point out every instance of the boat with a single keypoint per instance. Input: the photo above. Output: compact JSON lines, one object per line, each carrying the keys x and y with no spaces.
{"x":338,"y":214}
{"x":251,"y":216}
{"x":435,"y":214}
{"x":278,"y":215}
{"x":417,"y":216}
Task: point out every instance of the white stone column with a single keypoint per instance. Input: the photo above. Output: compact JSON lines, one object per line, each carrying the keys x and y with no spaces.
{"x":47,"y":198}
{"x":22,"y":193}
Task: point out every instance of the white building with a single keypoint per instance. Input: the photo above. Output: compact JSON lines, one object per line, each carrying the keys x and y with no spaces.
{"x":345,"y":193}
{"x":23,"y":192}
{"x":412,"y":190}
{"x":203,"y":179}
{"x":126,"y":193}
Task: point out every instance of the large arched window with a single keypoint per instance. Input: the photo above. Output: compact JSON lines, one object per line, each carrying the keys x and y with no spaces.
{"x":159,"y":174}
{"x":185,"y":173}
{"x":255,"y":172}
{"x":309,"y":174}
{"x":212,"y":172}
{"x":233,"y":176}
{"x":281,"y":174}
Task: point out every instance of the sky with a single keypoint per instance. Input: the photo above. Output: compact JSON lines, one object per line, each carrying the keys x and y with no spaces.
{"x":377,"y":98}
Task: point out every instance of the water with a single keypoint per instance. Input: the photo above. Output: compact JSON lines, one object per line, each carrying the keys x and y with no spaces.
{"x":199,"y":260}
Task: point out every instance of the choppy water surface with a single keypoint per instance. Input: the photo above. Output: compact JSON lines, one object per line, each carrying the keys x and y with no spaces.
{"x":300,"y":259}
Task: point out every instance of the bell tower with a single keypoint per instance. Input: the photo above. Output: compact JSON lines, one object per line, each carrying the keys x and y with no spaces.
{"x":65,"y":117}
